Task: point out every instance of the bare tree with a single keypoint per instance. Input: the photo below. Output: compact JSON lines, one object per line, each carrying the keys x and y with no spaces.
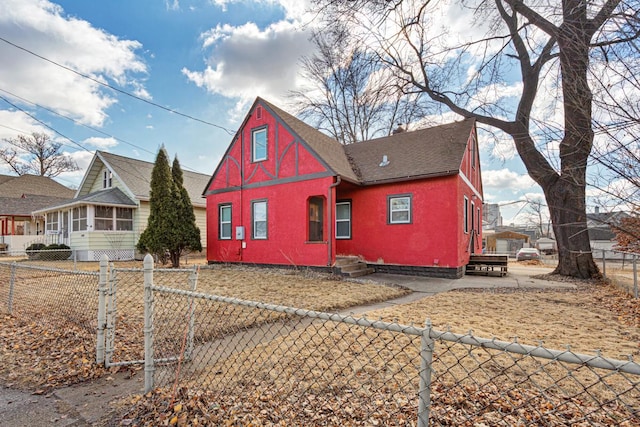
{"x":628,"y":233}
{"x":549,"y":45}
{"x":538,"y":216}
{"x":352,"y":96}
{"x":616,"y":151}
{"x":36,"y":154}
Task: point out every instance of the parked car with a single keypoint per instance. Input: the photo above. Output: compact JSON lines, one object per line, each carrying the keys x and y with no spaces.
{"x":527,"y":253}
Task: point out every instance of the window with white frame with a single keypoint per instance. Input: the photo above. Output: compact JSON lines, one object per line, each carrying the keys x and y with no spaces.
{"x":52,"y":222}
{"x":259,"y":144}
{"x":343,"y":220}
{"x":79,"y":218}
{"x":399,"y":209}
{"x":259,"y":219}
{"x":107,"y":179}
{"x":124,"y":219}
{"x":465,"y":215}
{"x":224,"y":229}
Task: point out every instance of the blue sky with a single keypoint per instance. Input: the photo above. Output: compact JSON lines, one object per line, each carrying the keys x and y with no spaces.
{"x":204,"y":59}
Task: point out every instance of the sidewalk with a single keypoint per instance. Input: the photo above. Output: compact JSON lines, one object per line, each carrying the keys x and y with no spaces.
{"x":84,"y":404}
{"x":518,"y":276}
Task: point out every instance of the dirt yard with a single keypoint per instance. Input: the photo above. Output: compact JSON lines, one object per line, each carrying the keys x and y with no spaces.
{"x":594,"y":316}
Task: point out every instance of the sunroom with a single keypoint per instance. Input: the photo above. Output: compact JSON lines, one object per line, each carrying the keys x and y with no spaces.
{"x":98,"y":223}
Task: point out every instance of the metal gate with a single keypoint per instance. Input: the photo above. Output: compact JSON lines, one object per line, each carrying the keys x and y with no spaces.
{"x":121,"y":317}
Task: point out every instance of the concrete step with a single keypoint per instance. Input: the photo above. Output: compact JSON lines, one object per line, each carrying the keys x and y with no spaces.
{"x":346,"y":260}
{"x":361,"y":272}
{"x":353,"y":267}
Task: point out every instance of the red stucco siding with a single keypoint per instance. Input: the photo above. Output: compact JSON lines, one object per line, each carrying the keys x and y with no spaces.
{"x":431,"y":239}
{"x":292,"y":174}
{"x":435,"y":237}
{"x":284,"y":181}
{"x":287,"y":225}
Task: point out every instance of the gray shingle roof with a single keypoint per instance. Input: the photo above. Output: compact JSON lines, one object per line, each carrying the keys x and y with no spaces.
{"x":111,"y":196}
{"x":435,"y":151}
{"x":24,"y":206}
{"x":16,"y":186}
{"x":136,"y":175}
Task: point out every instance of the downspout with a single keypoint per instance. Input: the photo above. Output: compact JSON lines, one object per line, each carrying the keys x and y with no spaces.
{"x":330,"y":234}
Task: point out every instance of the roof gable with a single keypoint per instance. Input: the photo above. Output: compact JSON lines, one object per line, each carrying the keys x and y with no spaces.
{"x":135,"y":177}
{"x":431,"y":152}
{"x":327,"y":149}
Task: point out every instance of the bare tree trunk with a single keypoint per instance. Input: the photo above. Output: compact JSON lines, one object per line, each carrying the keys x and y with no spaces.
{"x":568,"y":216}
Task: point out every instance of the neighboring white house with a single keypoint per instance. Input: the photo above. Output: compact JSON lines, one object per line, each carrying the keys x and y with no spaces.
{"x":19,"y":196}
{"x":111,"y":208}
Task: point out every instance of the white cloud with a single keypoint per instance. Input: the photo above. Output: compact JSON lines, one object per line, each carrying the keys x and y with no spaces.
{"x":294,"y":9}
{"x":14,"y":123}
{"x":247,"y":61}
{"x":505,"y":179}
{"x":101,"y":143}
{"x":41,"y":27}
{"x":172,"y":4}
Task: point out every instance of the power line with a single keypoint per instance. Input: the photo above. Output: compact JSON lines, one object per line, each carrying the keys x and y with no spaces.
{"x":229,"y":131}
{"x":75,"y":121}
{"x":186,"y":167}
{"x":44,"y":124}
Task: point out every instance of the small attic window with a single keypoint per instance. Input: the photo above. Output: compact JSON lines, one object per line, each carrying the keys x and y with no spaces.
{"x":259,"y":113}
{"x":107,"y":179}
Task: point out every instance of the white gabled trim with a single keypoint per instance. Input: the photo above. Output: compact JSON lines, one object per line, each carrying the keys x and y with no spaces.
{"x":475,"y":191}
{"x":115,"y":176}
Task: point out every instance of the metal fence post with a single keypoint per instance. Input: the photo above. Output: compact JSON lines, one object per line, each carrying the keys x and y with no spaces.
{"x":102,"y":309}
{"x":148,"y":323}
{"x":111,"y":307}
{"x":193,"y":283}
{"x":11,"y":286}
{"x":426,"y":360}
{"x":604,"y":264}
{"x":635,"y":276}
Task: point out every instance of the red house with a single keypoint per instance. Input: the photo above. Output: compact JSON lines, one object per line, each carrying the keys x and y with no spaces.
{"x":286,"y":194}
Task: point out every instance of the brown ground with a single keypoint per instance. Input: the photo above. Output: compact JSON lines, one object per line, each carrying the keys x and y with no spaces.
{"x":594,"y":316}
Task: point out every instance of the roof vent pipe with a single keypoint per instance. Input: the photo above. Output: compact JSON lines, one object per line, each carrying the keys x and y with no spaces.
{"x":385,"y":161}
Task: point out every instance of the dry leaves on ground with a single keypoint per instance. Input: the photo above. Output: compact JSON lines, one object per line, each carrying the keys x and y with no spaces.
{"x":37,"y":357}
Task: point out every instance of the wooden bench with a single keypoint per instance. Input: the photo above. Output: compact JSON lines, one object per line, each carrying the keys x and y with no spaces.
{"x":494,"y":265}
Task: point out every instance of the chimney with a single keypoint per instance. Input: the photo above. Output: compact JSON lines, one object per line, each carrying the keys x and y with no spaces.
{"x":399,"y":129}
{"x":596,"y":209}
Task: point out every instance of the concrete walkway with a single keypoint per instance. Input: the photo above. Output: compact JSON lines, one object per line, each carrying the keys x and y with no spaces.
{"x":84,"y":404}
{"x":519,"y":276}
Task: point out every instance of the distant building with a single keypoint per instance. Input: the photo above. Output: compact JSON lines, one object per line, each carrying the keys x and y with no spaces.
{"x":601,"y":234}
{"x":491,"y":216}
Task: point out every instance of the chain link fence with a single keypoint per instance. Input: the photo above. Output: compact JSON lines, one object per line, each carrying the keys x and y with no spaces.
{"x":123,"y":291}
{"x":250,"y":362}
{"x":619,"y":267}
{"x":262,"y":364}
{"x":49,"y":295}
